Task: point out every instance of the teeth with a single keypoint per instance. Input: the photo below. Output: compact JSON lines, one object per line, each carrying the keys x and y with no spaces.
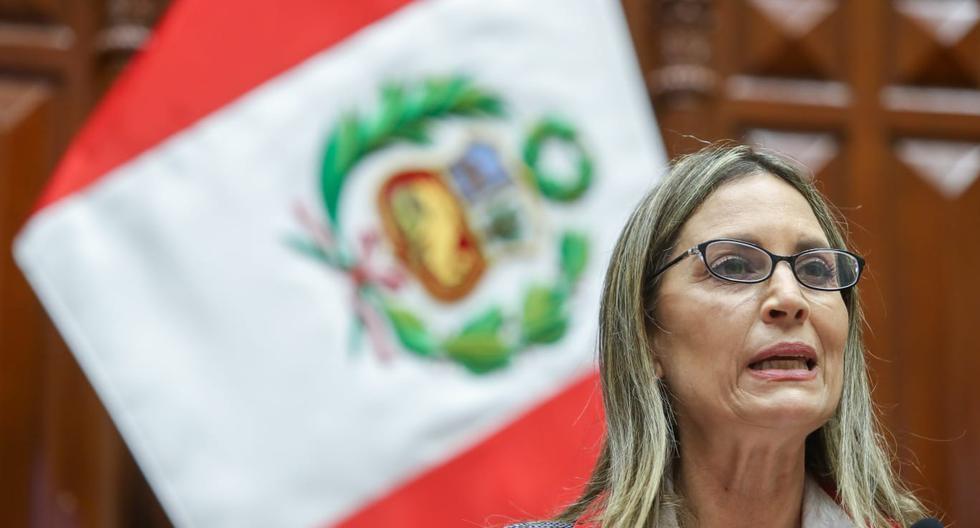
{"x":781,"y":363}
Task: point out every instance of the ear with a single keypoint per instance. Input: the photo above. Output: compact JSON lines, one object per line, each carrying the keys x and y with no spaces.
{"x":656,"y":346}
{"x":658,"y":368}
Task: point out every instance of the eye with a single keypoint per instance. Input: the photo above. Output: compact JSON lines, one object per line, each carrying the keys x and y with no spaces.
{"x":816,"y":268}
{"x":734,"y":267}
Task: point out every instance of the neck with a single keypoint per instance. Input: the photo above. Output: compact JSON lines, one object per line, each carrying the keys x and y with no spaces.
{"x":748,"y":480}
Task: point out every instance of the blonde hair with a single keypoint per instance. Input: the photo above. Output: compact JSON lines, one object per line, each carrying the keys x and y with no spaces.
{"x":639,"y":452}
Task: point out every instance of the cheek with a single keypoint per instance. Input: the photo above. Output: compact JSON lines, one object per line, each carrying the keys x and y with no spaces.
{"x":831,"y":325}
{"x":692,"y":348}
{"x":830,"y":320}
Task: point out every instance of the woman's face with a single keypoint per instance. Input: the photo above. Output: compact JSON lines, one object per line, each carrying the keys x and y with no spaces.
{"x":712,"y":333}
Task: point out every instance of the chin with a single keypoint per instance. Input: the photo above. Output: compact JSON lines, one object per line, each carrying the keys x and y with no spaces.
{"x":794,"y":411}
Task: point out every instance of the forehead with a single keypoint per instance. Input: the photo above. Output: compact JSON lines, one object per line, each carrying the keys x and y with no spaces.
{"x":759,"y":208}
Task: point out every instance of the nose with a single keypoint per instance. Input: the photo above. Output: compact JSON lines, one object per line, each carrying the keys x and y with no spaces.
{"x":784,"y":302}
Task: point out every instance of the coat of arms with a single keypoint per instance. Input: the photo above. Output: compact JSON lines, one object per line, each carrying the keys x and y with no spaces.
{"x":447,"y":220}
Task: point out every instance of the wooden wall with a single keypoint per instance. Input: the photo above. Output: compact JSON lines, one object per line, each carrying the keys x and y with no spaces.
{"x":881,"y":98}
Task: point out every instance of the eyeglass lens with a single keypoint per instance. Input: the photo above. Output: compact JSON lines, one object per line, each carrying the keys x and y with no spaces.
{"x":820,"y":269}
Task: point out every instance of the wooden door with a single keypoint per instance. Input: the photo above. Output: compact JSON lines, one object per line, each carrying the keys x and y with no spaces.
{"x":882,"y":100}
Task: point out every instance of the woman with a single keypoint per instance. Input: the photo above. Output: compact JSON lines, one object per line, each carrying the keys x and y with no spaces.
{"x":732,"y":362}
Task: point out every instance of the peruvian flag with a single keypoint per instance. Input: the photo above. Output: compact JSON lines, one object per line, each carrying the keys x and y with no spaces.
{"x":338,"y":263}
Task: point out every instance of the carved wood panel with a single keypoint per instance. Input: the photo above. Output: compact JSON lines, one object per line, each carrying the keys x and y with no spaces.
{"x":931,"y":100}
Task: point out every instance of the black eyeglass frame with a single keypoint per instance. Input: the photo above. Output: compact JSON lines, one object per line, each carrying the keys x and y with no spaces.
{"x":776,"y":259}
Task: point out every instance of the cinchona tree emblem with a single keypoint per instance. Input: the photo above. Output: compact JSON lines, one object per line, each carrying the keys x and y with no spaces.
{"x":444,"y":223}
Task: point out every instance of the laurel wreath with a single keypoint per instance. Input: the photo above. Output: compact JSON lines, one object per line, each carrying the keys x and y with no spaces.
{"x":555,"y":130}
{"x":488,"y":340}
{"x":404,"y":115}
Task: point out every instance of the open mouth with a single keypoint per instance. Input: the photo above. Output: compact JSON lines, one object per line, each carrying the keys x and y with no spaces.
{"x":784,"y":363}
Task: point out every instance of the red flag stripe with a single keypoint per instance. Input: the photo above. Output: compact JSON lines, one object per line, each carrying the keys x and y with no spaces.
{"x":203,"y":55}
{"x":528,"y":470}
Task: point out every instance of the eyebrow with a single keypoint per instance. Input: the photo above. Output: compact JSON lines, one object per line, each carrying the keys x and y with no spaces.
{"x":803,"y":244}
{"x":809,"y":243}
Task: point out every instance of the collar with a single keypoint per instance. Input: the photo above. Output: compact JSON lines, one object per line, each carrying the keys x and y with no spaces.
{"x":820,"y":510}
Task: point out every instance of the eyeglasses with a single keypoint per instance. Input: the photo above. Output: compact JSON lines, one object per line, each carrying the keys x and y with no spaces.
{"x":823,"y":269}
